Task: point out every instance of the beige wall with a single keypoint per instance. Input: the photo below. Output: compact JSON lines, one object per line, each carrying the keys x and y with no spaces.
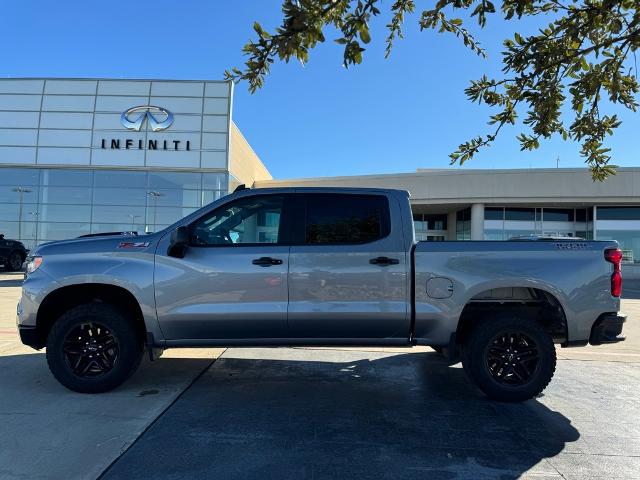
{"x":244,"y":163}
{"x":454,"y":188}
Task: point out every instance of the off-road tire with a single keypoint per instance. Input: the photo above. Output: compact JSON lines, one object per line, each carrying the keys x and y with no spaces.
{"x":130,"y":347}
{"x":476,"y":361}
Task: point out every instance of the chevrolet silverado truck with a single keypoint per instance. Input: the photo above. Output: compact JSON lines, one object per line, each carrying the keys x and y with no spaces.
{"x":317,"y":266}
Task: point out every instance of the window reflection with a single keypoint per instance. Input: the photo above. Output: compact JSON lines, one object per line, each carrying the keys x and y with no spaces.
{"x":65,"y":203}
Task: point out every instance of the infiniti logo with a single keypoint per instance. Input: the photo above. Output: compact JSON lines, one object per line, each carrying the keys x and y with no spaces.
{"x":159,"y":118}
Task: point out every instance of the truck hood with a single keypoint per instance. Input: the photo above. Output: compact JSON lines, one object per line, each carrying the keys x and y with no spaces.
{"x":97,"y":244}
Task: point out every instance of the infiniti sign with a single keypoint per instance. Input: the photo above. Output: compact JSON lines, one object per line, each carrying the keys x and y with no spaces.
{"x":159,"y":118}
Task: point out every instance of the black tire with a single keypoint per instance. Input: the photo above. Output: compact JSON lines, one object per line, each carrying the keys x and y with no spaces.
{"x":113,"y":349}
{"x":490,"y":347}
{"x":14,"y":262}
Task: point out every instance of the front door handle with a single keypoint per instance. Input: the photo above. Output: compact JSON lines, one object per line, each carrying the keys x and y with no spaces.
{"x":384,"y":261}
{"x":266,"y":261}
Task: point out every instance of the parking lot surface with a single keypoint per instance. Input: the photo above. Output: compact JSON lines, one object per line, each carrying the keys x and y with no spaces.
{"x":319,"y":413}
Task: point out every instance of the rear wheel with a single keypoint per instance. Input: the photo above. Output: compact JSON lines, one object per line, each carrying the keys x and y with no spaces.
{"x":509,"y":358}
{"x":93,"y":348}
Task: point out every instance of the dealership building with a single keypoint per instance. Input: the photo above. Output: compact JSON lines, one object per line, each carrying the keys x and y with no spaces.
{"x":80,"y":156}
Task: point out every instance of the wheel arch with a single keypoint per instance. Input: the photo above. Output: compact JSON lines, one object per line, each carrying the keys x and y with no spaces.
{"x":64,"y":298}
{"x":541,"y":305}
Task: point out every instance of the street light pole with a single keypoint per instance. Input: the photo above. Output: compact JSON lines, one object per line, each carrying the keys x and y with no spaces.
{"x":21,"y":191}
{"x":155,"y":195}
{"x":35,"y":230}
{"x":133,"y":220}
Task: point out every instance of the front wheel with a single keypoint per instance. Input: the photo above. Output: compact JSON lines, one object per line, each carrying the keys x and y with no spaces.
{"x":510,"y":359}
{"x":93,"y":348}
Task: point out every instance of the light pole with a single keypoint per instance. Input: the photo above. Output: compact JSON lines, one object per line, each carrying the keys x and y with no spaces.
{"x":155,"y":195}
{"x":35,"y":230}
{"x":133,"y":220}
{"x":21,"y":191}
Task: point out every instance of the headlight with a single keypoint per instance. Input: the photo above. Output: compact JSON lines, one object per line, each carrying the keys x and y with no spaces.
{"x":33,"y":263}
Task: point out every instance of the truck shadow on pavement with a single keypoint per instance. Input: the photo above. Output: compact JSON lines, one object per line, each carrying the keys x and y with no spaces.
{"x":281,"y":413}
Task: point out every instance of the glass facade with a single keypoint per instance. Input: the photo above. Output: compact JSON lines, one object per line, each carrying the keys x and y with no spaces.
{"x":44,"y":204}
{"x":430,"y":227}
{"x":503,"y":223}
{"x":621,"y":224}
{"x":463,"y":224}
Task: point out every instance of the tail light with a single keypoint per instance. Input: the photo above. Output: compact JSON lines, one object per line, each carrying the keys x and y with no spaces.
{"x":614,"y":255}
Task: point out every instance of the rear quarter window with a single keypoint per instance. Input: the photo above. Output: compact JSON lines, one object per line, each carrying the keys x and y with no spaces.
{"x":346,"y":219}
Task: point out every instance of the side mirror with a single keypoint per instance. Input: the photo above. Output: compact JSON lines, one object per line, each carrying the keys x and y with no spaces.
{"x":178,"y":242}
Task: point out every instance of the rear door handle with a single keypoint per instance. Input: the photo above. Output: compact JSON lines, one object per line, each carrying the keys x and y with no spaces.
{"x":266,"y":261}
{"x":384,"y":261}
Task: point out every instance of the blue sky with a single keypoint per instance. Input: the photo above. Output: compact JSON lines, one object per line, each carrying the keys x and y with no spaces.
{"x":384,"y":116}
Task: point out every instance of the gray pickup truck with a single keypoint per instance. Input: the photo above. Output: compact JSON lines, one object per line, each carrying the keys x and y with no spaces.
{"x":317,"y":266}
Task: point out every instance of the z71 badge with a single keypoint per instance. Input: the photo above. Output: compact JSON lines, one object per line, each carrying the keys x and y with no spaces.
{"x":133,"y":244}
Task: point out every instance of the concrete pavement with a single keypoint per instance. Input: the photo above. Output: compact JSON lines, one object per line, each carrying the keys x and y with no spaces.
{"x":49,"y":432}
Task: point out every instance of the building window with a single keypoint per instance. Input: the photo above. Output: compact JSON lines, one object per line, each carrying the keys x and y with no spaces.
{"x":463,"y":224}
{"x":629,"y":241}
{"x":436,"y":222}
{"x":43,"y":204}
{"x":618,"y":213}
{"x":557,"y":215}
{"x":520,"y":214}
{"x":494,"y":213}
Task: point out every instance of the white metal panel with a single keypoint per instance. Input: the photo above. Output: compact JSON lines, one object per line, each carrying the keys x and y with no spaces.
{"x":71,"y":87}
{"x":216,"y":106}
{"x":118,"y":104}
{"x":178,"y":89}
{"x":191,"y":123}
{"x":19,"y":119}
{"x":178,"y":104}
{"x":217,"y":89}
{"x":68,"y":103}
{"x":215,"y":123}
{"x":159,"y":158}
{"x":214,"y":141}
{"x":66,"y":120}
{"x":18,"y":155}
{"x":126,"y":158}
{"x":20,"y":86}
{"x":20,"y":102}
{"x":120,"y":87}
{"x":16,"y":137}
{"x":62,"y":156}
{"x":214,"y":160}
{"x":64,"y":138}
{"x":107,"y":121}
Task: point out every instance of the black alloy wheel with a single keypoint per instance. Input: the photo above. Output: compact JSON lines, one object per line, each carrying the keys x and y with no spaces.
{"x":512,"y":359}
{"x":94,"y":347}
{"x":90,"y":350}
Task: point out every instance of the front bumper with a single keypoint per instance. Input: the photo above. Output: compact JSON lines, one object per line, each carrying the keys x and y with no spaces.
{"x":30,"y":337}
{"x":607,"y":329}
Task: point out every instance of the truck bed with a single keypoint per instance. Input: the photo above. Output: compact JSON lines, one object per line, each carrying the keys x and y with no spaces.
{"x":451,"y":276}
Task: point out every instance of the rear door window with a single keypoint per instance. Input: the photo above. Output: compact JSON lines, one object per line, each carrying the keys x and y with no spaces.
{"x":345,"y":219}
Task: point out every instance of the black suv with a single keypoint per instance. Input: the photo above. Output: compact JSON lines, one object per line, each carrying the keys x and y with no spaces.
{"x":12,"y":254}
